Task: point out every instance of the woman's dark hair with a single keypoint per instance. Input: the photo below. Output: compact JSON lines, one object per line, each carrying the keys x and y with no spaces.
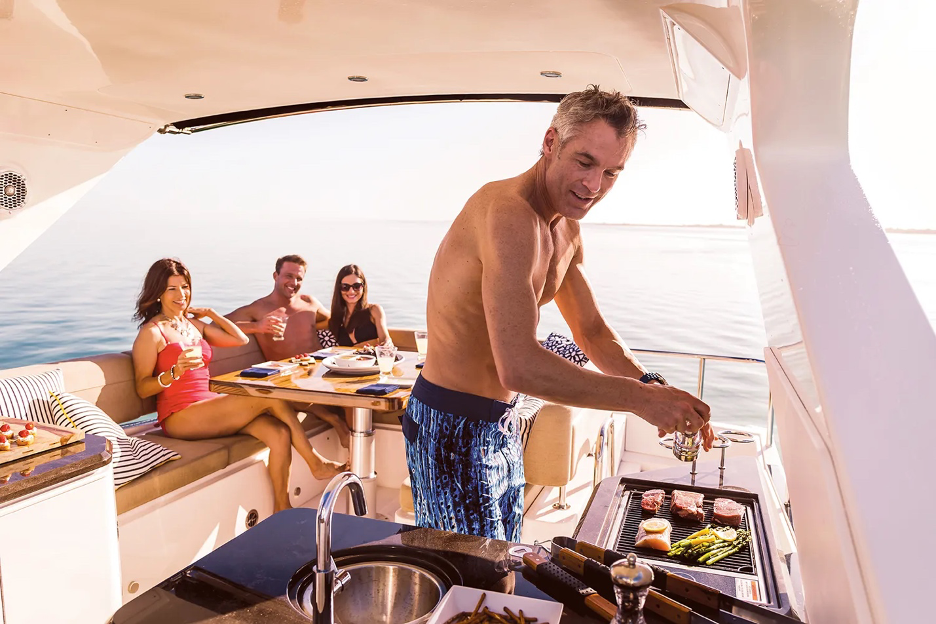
{"x":154,"y":285}
{"x":361,"y":314}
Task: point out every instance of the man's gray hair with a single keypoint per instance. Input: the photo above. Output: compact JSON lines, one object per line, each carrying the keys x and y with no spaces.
{"x":582,"y":107}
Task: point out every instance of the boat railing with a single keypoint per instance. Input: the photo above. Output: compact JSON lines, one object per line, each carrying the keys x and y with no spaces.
{"x":605,"y":443}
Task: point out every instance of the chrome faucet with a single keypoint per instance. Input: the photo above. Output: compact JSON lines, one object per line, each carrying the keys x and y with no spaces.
{"x":329,"y":580}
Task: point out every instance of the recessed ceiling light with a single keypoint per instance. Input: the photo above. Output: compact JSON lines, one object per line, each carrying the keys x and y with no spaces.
{"x":194,"y":96}
{"x":357,"y":78}
{"x":551,"y":74}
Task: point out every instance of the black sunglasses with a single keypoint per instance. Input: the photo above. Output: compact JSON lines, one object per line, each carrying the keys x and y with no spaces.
{"x":355,"y":286}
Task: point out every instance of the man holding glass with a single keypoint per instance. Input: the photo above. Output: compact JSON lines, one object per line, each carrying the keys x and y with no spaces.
{"x":514,"y":247}
{"x":285,"y":323}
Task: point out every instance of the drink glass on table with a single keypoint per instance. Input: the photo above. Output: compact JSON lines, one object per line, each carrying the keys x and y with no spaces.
{"x":386,"y":358}
{"x":422,"y":342}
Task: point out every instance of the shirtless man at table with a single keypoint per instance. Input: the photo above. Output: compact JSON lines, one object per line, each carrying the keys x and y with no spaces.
{"x":264,"y":318}
{"x":515,"y":246}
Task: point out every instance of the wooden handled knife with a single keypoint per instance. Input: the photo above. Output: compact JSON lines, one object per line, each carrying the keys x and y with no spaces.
{"x":723,"y":607}
{"x":598,"y":576}
{"x":567,"y":589}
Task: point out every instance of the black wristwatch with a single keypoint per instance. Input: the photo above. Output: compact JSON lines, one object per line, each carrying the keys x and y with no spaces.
{"x":651,"y":377}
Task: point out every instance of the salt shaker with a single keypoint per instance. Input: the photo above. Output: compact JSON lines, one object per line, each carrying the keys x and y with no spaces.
{"x":631,"y":579}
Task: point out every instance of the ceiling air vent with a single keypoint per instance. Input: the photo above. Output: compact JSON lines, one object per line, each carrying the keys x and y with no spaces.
{"x":12,"y":190}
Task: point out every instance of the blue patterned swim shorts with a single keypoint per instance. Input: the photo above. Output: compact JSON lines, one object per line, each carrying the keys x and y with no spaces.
{"x":465,"y":462}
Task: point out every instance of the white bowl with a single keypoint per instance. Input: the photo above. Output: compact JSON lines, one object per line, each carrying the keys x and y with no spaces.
{"x":351,"y":360}
{"x":460,"y":598}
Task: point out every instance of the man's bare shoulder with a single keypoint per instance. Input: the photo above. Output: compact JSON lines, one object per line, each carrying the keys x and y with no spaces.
{"x":252,"y":311}
{"x":504,"y":203}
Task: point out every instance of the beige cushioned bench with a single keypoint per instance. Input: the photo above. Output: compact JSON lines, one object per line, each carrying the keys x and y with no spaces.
{"x":107,"y":381}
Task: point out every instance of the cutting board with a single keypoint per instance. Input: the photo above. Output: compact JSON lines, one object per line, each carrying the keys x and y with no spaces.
{"x":47,"y":437}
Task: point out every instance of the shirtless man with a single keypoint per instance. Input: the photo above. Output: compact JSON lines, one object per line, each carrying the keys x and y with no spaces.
{"x":514,"y":247}
{"x":264,"y":319}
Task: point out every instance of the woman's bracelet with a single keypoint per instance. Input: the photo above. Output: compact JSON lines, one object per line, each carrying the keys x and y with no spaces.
{"x":172,"y":373}
{"x":159,"y":381}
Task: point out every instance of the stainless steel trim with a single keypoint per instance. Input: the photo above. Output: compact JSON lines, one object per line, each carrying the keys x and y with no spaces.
{"x":604,"y":448}
{"x":562,"y":504}
{"x":700,"y":387}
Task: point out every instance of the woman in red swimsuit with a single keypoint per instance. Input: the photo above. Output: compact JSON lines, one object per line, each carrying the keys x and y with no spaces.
{"x":170,"y":357}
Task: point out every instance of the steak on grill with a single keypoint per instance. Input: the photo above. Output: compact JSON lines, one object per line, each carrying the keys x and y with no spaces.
{"x":728,"y":512}
{"x":652,"y":500}
{"x":687,"y":505}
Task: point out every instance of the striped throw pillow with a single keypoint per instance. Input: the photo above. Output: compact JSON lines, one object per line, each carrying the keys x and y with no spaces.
{"x":133,"y":457}
{"x":27,"y":397}
{"x":527,"y":408}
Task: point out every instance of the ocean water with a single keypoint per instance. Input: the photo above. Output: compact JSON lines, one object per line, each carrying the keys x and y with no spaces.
{"x":72,"y":293}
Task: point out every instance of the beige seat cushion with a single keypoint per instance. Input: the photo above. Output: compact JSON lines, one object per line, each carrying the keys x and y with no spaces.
{"x":199,"y":459}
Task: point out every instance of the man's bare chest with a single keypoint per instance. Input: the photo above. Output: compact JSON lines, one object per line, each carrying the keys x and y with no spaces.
{"x":551,"y":272}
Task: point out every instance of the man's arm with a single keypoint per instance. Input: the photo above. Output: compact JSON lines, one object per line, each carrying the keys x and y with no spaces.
{"x":508,"y":249}
{"x":322,"y":314}
{"x":577,"y":303}
{"x":246,"y":320}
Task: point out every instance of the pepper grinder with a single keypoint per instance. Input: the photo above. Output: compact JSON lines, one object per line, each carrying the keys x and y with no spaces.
{"x":632,"y":579}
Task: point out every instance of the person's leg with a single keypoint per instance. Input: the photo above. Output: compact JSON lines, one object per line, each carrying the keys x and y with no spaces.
{"x":222,"y":415}
{"x":337,"y":421}
{"x":275,"y":435}
{"x":228,"y":415}
{"x":321,"y":468}
{"x":458,"y":474}
{"x":511,"y":502}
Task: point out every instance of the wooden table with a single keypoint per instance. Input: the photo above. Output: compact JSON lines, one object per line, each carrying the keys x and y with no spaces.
{"x":317,"y":384}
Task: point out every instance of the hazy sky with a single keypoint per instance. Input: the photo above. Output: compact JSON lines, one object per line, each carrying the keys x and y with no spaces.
{"x":424,"y":161}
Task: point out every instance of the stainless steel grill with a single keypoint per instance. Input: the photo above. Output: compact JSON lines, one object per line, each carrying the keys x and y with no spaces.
{"x":742,"y":561}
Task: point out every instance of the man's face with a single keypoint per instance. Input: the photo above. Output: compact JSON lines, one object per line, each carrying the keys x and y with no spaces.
{"x":583,"y":171}
{"x":289,"y":279}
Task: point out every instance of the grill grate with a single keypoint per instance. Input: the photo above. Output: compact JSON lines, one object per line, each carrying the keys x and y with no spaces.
{"x":740,"y":562}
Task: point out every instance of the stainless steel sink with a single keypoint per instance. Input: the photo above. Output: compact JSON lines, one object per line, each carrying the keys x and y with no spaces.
{"x":389,"y":585}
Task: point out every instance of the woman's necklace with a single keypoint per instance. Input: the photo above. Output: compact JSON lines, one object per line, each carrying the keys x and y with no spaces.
{"x":184,"y":328}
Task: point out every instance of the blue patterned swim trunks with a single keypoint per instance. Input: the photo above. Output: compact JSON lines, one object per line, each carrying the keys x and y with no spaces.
{"x":465,"y":462}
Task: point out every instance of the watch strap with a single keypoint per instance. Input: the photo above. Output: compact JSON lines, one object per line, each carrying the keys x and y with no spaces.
{"x":651,"y":377}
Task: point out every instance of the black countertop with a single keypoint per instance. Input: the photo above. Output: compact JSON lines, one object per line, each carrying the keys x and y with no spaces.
{"x":36,"y":472}
{"x":245,"y":580}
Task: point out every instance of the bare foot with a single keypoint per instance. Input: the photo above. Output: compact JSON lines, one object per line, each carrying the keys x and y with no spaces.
{"x":326,"y":469}
{"x":343,"y":431}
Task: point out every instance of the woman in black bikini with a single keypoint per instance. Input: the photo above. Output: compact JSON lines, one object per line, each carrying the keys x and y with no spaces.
{"x":353,"y":319}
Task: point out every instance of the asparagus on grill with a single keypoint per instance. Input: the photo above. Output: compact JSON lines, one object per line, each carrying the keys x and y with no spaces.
{"x":707,"y":547}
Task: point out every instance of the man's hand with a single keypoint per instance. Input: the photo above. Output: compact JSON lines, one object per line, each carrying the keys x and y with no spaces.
{"x":272,"y":323}
{"x":708,"y":436}
{"x":672,"y":409}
